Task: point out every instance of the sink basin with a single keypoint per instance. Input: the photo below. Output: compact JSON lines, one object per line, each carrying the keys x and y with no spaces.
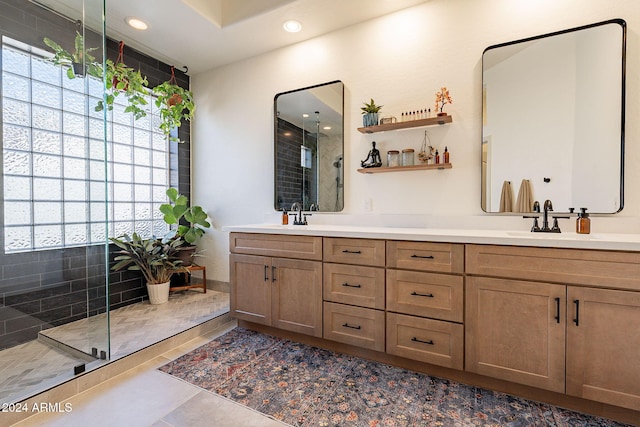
{"x":552,"y":236}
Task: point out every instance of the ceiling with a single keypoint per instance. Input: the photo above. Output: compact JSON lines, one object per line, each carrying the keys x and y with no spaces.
{"x":205,"y":34}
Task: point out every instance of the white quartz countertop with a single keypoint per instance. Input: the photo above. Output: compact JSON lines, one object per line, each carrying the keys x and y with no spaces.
{"x":609,"y":241}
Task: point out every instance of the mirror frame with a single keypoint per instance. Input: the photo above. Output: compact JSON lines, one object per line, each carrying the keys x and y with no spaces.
{"x":275,"y":141}
{"x":623,"y":63}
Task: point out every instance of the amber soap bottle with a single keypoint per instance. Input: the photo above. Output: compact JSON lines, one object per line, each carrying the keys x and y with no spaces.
{"x":583,"y":223}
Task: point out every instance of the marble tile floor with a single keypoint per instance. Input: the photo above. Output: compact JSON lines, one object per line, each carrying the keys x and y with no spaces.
{"x":145,"y":396}
{"x":35,"y":366}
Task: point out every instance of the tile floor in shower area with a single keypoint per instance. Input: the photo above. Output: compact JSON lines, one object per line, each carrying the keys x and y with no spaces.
{"x":38,"y":365}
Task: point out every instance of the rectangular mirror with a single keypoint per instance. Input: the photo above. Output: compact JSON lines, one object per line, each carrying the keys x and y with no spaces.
{"x":309,"y":148}
{"x":553,"y":114}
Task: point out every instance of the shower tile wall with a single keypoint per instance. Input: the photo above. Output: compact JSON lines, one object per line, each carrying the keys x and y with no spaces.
{"x":289,"y":170}
{"x":48,"y":288}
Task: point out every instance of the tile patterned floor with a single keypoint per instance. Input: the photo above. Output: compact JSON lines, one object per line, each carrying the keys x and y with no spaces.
{"x":35,"y":366}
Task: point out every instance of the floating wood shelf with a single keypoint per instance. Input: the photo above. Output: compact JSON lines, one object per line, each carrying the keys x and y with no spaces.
{"x":406,"y":125}
{"x":405,"y":168}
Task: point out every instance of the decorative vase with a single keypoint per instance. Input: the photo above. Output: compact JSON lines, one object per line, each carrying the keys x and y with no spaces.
{"x":370,"y":119}
{"x":158,"y":292}
{"x":442,"y":114}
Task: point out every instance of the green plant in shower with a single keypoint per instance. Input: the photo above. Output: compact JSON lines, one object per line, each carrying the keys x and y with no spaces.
{"x":177,"y":209}
{"x":176,"y":105}
{"x":76,"y":59}
{"x":156,"y":259}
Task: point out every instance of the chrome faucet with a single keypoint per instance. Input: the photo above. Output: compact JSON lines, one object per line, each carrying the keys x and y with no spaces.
{"x":298,"y":218}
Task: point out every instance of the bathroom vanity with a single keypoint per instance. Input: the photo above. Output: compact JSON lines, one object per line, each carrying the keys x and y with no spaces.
{"x":553,"y":319}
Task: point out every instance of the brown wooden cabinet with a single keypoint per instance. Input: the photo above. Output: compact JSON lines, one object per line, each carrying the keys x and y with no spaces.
{"x":603,"y":346}
{"x":251,"y":288}
{"x":515,"y":330}
{"x":281,"y":292}
{"x":423,"y":304}
{"x":563,"y":320}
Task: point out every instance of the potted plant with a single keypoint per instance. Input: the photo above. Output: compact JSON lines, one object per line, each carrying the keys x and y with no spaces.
{"x":175,"y":104}
{"x":124,"y":80}
{"x":442,"y":98}
{"x":76,"y":60}
{"x":192,"y":228}
{"x":155,"y":258}
{"x":370,"y":113}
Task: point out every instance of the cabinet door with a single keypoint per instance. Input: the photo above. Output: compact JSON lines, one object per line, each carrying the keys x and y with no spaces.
{"x":250,"y":288}
{"x":515,"y":331}
{"x":296,"y":292}
{"x":603,"y":346}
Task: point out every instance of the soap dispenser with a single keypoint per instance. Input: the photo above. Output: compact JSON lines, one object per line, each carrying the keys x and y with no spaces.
{"x":583,"y":223}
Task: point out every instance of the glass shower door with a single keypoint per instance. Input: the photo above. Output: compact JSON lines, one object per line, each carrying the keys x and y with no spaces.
{"x":54,"y":299}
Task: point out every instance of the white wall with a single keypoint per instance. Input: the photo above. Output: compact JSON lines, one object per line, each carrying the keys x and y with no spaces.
{"x":400,"y":61}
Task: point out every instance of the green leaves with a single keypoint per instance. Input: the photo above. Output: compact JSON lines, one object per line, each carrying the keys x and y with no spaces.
{"x":175,"y":103}
{"x":371,"y":107}
{"x":156,"y":259}
{"x":194,"y":215}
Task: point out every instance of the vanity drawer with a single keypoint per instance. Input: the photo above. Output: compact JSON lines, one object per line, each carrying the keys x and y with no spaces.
{"x":354,"y":251}
{"x":431,"y":341}
{"x":433,"y":295}
{"x":426,"y":256}
{"x":362,"y":327}
{"x":277,"y":245}
{"x":355,"y":285}
{"x":608,"y":269}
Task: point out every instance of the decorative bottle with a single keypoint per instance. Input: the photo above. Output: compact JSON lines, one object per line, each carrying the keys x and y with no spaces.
{"x":583,"y":223}
{"x":445,"y":155}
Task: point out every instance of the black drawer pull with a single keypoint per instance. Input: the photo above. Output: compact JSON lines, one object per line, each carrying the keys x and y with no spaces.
{"x":422,"y":256}
{"x":557,"y":317}
{"x":414,"y":293}
{"x":266,"y":273}
{"x":273,"y":274}
{"x":414,"y":339}
{"x":346,"y":325}
{"x":577,"y":319}
{"x":347,"y":251}
{"x":351,"y":286}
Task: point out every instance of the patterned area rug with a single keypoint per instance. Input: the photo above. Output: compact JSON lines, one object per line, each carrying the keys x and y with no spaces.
{"x":307,"y":386}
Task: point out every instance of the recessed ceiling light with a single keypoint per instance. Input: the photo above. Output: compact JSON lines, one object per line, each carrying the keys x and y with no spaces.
{"x":136,"y":23}
{"x":292,"y":26}
{"x":305,"y":115}
{"x":327,"y":128}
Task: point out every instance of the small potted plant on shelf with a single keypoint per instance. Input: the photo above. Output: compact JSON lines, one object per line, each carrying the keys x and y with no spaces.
{"x":175,"y":103}
{"x":370,"y":113}
{"x":442,"y":98}
{"x":78,"y":60}
{"x":155,"y":258}
{"x":196,"y":222}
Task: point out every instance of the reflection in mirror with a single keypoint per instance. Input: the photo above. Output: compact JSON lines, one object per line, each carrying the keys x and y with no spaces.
{"x":309,"y":148}
{"x":553,"y":114}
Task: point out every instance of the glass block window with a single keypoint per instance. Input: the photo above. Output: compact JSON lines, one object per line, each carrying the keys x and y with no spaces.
{"x":58,"y":189}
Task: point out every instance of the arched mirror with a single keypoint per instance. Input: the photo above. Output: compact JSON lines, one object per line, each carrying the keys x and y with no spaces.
{"x":309,"y":148}
{"x":553,"y":115}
